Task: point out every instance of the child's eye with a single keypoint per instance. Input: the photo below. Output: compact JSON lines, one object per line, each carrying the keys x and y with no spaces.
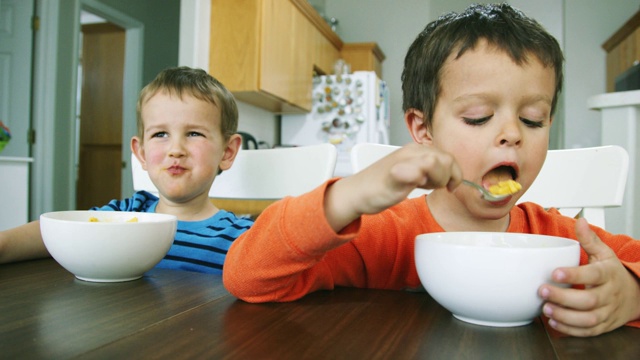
{"x":159,"y":134}
{"x":194,"y":133}
{"x":531,"y":123}
{"x":476,"y":122}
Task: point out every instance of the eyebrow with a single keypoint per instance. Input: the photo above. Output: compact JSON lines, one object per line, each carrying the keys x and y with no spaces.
{"x":529,"y":99}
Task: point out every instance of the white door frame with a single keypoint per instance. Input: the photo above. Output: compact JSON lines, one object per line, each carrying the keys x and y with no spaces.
{"x":47,"y":92}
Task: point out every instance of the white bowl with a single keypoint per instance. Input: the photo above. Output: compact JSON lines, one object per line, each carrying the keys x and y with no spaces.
{"x":491,"y":279}
{"x":110,"y":250}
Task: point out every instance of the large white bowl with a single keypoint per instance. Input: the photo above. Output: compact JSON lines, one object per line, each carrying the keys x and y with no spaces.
{"x":110,"y":250}
{"x":491,"y":279}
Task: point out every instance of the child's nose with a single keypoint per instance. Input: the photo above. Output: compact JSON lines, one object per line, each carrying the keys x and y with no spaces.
{"x":510,"y":134}
{"x":176,"y":149}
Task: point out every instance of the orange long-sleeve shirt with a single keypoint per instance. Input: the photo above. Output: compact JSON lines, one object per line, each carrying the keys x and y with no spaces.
{"x":291,"y":250}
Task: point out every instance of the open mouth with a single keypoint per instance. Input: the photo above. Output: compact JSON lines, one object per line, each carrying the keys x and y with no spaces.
{"x":498,"y":174}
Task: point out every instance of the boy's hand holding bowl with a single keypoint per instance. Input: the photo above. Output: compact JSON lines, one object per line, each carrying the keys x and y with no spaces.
{"x":488,"y":278}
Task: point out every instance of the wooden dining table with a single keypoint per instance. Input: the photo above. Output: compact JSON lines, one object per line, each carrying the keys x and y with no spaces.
{"x":46,"y":312}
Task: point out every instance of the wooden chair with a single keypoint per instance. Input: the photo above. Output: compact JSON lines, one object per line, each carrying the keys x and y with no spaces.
{"x":578,"y":182}
{"x":260,"y":177}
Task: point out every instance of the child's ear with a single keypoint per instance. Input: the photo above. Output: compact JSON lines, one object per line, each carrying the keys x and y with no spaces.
{"x":230,"y":152}
{"x":138,"y":150}
{"x":416,"y":124}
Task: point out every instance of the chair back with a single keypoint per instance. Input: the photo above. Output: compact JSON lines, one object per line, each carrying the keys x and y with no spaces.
{"x":582,"y":182}
{"x":265,"y":174}
{"x":365,"y":154}
{"x":578,"y":182}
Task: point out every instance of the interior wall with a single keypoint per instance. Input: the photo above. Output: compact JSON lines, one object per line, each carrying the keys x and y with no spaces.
{"x":161,"y":21}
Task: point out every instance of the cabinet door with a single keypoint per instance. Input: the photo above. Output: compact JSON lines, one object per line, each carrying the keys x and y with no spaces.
{"x":302,"y":33}
{"x":235,"y":44}
{"x":277,"y":48}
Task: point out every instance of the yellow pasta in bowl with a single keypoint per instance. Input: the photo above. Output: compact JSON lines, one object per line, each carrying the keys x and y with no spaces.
{"x":95,"y":219}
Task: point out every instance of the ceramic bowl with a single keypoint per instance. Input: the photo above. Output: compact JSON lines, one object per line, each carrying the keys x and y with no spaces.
{"x":110,"y":249}
{"x":491,"y":279}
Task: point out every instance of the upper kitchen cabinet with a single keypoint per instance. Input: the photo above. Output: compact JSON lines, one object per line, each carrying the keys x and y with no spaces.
{"x":265,"y":51}
{"x":363,"y":56}
{"x":623,"y":50}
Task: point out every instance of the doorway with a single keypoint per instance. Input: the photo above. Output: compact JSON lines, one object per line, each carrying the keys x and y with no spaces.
{"x":99,"y":124}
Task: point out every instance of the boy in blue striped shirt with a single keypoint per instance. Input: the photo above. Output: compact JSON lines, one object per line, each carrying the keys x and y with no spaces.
{"x":187,"y":123}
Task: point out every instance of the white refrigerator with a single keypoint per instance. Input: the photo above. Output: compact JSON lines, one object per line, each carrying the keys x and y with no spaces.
{"x":347,"y":109}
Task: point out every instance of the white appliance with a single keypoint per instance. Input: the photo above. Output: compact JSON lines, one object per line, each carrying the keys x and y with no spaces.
{"x":347,"y":109}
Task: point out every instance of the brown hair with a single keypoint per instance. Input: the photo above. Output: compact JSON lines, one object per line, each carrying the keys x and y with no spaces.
{"x":499,"y":24}
{"x":197,"y":83}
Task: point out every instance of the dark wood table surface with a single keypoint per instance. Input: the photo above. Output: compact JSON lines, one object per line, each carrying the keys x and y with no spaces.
{"x":46,"y":313}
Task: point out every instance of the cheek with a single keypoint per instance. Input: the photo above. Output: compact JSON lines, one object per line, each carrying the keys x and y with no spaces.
{"x":153,"y":156}
{"x":206,"y":151}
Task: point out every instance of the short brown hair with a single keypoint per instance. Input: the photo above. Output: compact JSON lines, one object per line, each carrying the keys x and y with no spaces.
{"x":201,"y":85}
{"x":499,"y":24}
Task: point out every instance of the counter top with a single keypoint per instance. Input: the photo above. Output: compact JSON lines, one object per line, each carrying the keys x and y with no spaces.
{"x":614,"y":99}
{"x":15,"y":159}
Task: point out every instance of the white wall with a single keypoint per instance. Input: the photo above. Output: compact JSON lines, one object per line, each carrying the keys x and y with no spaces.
{"x":580,"y":26}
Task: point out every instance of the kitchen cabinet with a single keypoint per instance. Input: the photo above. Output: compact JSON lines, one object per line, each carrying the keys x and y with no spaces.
{"x":265,"y":51}
{"x":363,"y":57}
{"x":623,"y":50}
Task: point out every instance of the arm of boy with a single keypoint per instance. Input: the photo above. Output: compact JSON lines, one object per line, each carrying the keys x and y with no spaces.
{"x":22,"y":243}
{"x":300,"y":245}
{"x":388,"y":182}
{"x":611,"y":297}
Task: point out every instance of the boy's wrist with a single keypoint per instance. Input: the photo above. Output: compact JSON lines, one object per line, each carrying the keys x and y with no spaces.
{"x":339,"y":204}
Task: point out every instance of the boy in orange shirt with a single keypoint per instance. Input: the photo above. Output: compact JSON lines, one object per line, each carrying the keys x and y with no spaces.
{"x":479,"y":91}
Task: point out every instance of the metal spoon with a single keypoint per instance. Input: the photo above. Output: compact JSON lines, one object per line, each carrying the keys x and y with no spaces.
{"x":485,"y":193}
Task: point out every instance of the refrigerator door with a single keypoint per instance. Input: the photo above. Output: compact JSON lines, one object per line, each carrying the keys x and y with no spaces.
{"x":347,"y":109}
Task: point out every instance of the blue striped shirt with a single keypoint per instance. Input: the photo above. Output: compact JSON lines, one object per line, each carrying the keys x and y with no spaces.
{"x":199,"y":246}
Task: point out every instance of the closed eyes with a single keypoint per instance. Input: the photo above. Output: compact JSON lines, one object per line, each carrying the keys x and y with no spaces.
{"x":484,"y":120}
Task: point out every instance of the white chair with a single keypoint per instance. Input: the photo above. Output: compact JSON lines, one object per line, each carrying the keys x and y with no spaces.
{"x":578,"y":182}
{"x":266,"y":174}
{"x":365,"y":154}
{"x":582,"y":182}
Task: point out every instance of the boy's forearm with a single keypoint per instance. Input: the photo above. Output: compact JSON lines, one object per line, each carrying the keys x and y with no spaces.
{"x":339,"y":204}
{"x":276,"y":259}
{"x":22,"y":243}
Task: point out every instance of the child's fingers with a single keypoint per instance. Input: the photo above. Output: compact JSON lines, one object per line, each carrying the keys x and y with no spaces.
{"x":591,"y":243}
{"x":421,"y":166}
{"x":577,"y":299}
{"x":591,"y":274}
{"x":440,"y":169}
